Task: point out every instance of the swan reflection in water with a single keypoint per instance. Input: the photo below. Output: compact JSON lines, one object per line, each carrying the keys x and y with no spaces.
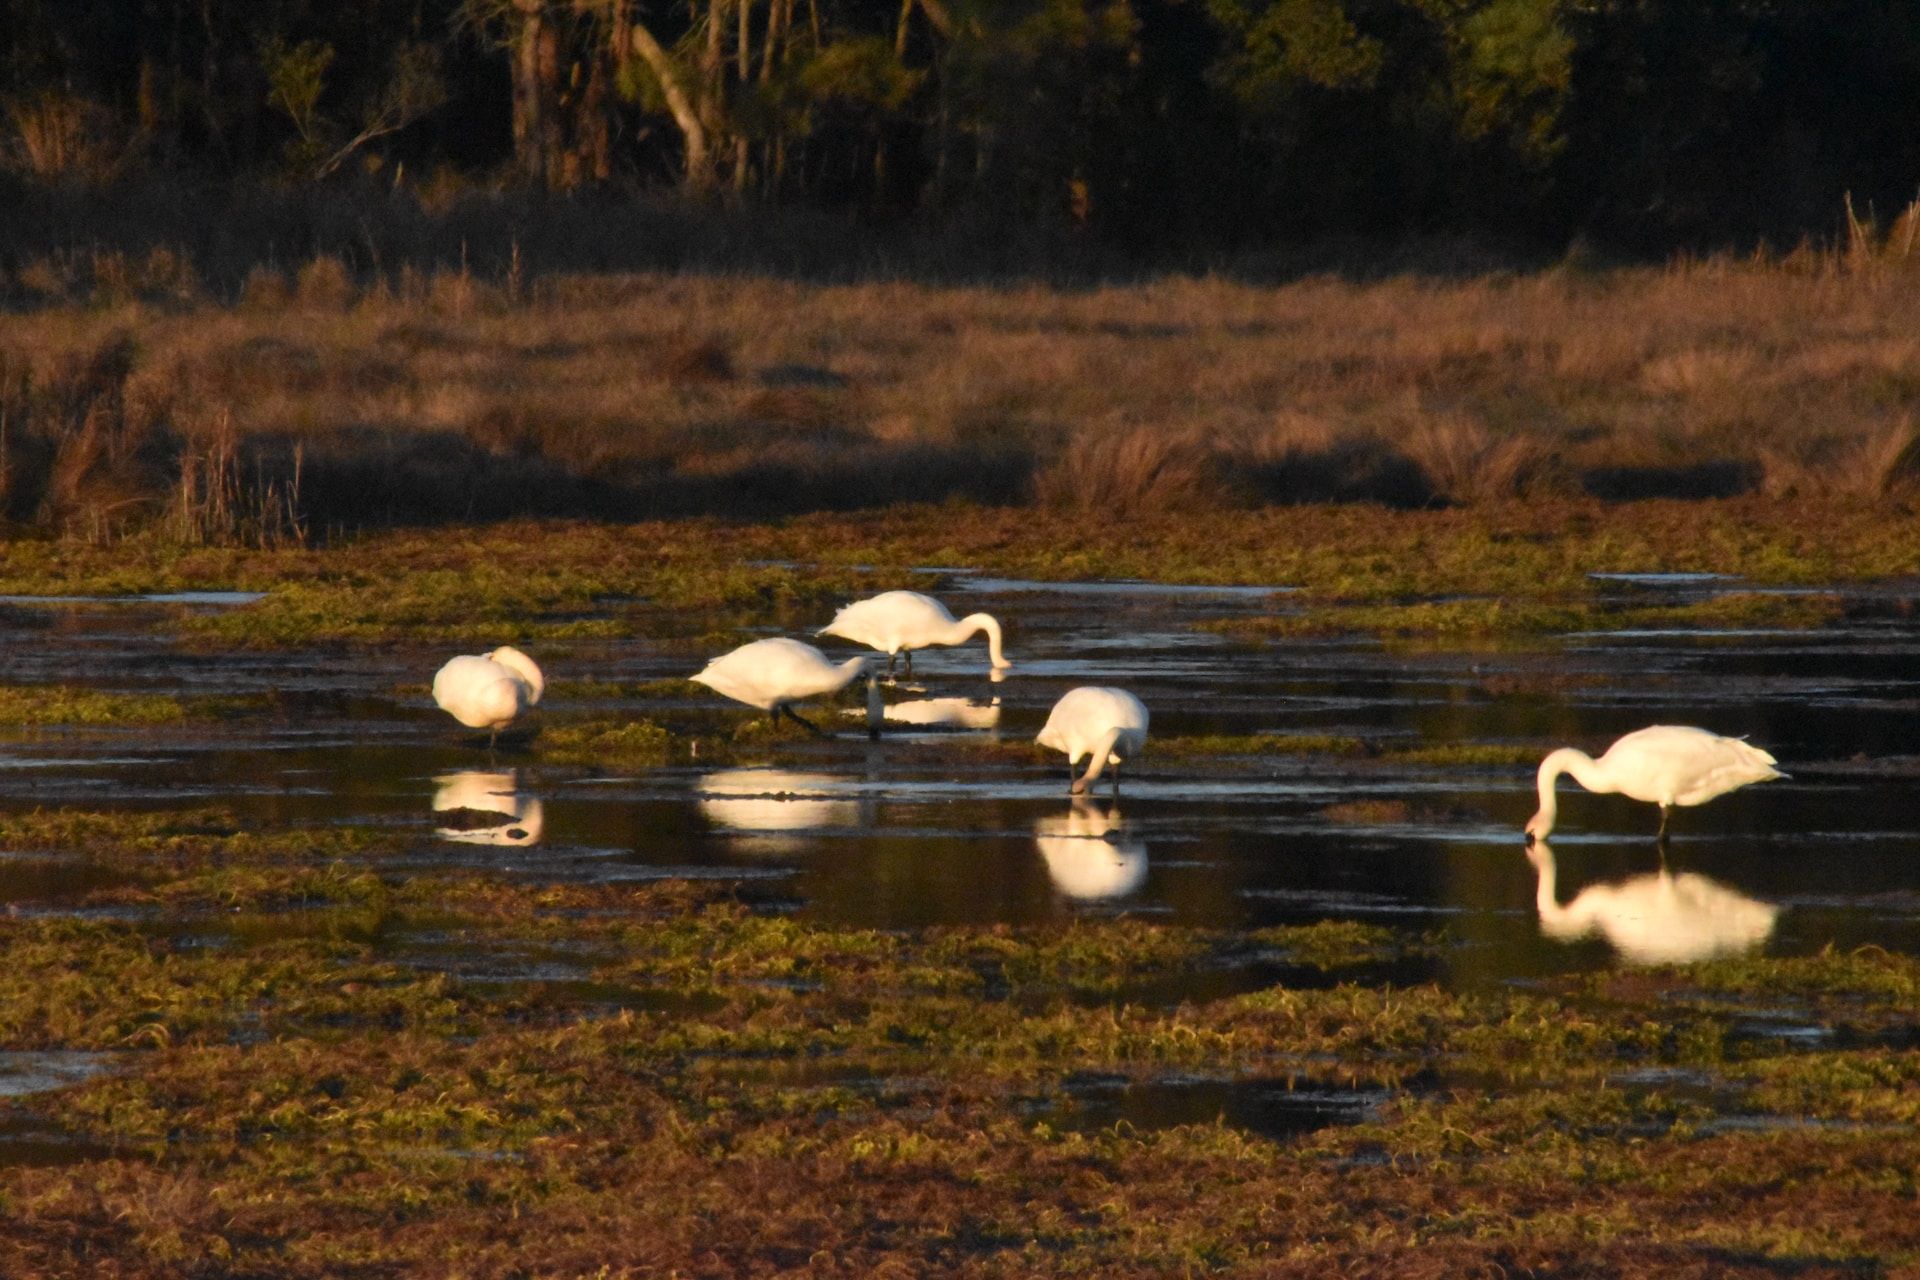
{"x":1659,"y":918}
{"x":943,"y":713}
{"x":479,"y":807}
{"x":775,"y":800}
{"x":1089,"y":854}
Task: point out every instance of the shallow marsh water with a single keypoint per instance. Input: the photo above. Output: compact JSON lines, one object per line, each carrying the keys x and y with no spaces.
{"x":917,"y":829}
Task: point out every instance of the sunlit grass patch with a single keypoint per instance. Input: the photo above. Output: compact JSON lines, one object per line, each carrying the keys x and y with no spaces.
{"x":35,"y":705}
{"x":292,"y":1076}
{"x":1332,"y":944}
{"x":1463,"y":753}
{"x":627,"y":743}
{"x":1877,"y":979}
{"x":1489,"y":616}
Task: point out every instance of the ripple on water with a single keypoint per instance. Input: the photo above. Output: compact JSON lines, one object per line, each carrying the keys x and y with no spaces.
{"x":27,"y":1140}
{"x":41,"y":1071}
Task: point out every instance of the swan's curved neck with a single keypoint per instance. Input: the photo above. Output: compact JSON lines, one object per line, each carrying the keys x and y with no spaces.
{"x":1585,"y":770}
{"x":1101,"y":752}
{"x":965,"y":629}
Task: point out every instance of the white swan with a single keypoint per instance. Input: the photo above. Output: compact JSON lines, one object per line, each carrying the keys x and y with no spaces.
{"x":1654,"y":919}
{"x":488,"y":691}
{"x":1088,"y":852}
{"x":1667,"y":765}
{"x":1109,"y":725}
{"x":902,"y":621}
{"x":487,"y":795}
{"x":773,"y":674}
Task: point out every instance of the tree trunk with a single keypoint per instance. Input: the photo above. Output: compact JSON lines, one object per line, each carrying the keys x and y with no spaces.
{"x":680,"y":104}
{"x":743,"y":73}
{"x":536,"y":117}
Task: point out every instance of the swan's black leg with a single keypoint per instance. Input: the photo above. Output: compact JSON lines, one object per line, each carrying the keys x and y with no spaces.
{"x":1666,"y":813}
{"x":890,"y":658}
{"x":808,"y":725}
{"x":1116,"y":782}
{"x":909,"y":654}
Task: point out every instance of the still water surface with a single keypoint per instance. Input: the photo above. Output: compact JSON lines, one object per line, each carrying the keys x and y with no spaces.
{"x":909,"y":832}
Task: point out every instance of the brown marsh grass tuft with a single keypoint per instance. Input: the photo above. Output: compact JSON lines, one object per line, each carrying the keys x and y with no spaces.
{"x":79,"y":454}
{"x":1873,"y":464}
{"x":1465,"y":462}
{"x":325,"y":284}
{"x":1136,"y":471}
{"x":62,"y":136}
{"x":89,"y":451}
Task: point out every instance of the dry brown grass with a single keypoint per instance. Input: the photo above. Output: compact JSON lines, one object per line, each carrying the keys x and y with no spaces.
{"x":1133,"y":472}
{"x":429,"y":395}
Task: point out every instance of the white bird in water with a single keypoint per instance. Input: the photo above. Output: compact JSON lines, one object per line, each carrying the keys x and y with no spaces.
{"x":897,"y":622}
{"x":1110,"y":725}
{"x":1667,"y":765}
{"x":488,"y":691}
{"x":774,"y":674}
{"x":1088,"y":852}
{"x":1657,"y":918}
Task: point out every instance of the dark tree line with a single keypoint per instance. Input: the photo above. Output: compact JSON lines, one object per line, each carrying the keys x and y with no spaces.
{"x":1639,"y":123}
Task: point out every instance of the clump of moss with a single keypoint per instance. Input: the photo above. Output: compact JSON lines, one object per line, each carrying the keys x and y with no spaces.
{"x":631,"y":743}
{"x":62,"y":704}
{"x":1332,"y":944}
{"x":1464,"y":753}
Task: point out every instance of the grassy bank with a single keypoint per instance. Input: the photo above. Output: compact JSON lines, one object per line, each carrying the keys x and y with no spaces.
{"x":1511,"y":569}
{"x":715,"y":1089}
{"x":322,"y":398}
{"x":318,"y":1056}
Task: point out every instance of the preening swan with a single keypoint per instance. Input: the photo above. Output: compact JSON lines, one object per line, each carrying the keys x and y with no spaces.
{"x":773,"y":674}
{"x":1667,"y":765}
{"x":896,"y":622}
{"x":488,"y":691}
{"x":1654,"y":919}
{"x":1109,"y":725}
{"x":1088,"y":853}
{"x":486,"y":808}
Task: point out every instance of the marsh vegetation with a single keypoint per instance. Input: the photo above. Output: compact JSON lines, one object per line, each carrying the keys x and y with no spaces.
{"x":338,"y":401}
{"x":740,"y":1001}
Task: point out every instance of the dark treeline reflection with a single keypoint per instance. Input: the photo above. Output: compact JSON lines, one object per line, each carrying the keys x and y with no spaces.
{"x":1161,"y":128}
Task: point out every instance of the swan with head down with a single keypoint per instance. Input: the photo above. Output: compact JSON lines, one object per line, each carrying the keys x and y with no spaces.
{"x":1669,"y":765}
{"x":1107,"y":726}
{"x":897,"y":622}
{"x":774,"y":674}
